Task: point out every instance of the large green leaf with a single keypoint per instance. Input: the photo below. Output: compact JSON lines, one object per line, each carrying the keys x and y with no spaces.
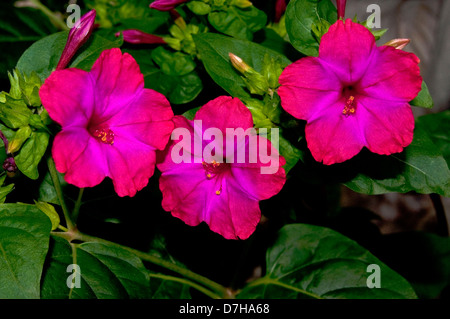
{"x":438,"y":128}
{"x":214,"y":49}
{"x":423,"y":99}
{"x":315,"y":262}
{"x":24,"y":238}
{"x":237,"y":22}
{"x":301,"y":15}
{"x":43,"y":55}
{"x":31,"y":154}
{"x":420,"y":168}
{"x":106,"y":272}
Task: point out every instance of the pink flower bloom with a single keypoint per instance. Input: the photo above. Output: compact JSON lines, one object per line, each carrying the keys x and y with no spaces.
{"x":78,"y":35}
{"x":166,"y":5}
{"x":111,"y":125}
{"x":225,"y":194}
{"x":140,"y":37}
{"x":354,"y":94}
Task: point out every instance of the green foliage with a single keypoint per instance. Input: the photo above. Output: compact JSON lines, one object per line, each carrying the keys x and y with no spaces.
{"x":301,"y":15}
{"x":24,"y":236}
{"x":314,"y":262}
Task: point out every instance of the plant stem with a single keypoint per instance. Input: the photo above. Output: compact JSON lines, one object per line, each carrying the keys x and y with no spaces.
{"x":59,"y":193}
{"x":442,"y":226}
{"x":221,"y":290}
{"x":51,"y":15}
{"x":187,"y":282}
{"x":78,"y":204}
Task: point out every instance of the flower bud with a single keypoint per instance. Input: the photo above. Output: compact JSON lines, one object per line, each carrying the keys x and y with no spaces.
{"x":398,"y":43}
{"x":166,"y":5}
{"x":341,"y":8}
{"x":78,"y":35}
{"x":9,"y":165}
{"x":238,"y":63}
{"x":242,"y":3}
{"x":139,"y":37}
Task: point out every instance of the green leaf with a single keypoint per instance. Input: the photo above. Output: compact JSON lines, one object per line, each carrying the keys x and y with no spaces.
{"x":237,"y":22}
{"x":173,"y":63}
{"x":214,"y":49}
{"x":309,"y":261}
{"x":423,"y":99}
{"x":14,"y":112}
{"x":22,"y":134}
{"x":420,"y":168}
{"x":438,"y":128}
{"x":107,"y":272}
{"x":422,"y":258}
{"x":301,"y":15}
{"x":24,"y":242}
{"x":43,"y":55}
{"x":50,"y":211}
{"x":178,"y":89}
{"x":4,"y":190}
{"x":31,"y":153}
{"x":47,"y":192}
{"x":199,"y":7}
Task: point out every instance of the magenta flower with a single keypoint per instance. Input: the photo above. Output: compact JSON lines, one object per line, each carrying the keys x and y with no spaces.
{"x":111,"y":125}
{"x":140,"y":37}
{"x":166,"y":5}
{"x":78,"y":35}
{"x":353,"y":95}
{"x":223,"y":192}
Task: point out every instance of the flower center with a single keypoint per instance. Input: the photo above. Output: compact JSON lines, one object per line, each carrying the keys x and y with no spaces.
{"x":213,"y":169}
{"x":105,"y":135}
{"x":350,"y":106}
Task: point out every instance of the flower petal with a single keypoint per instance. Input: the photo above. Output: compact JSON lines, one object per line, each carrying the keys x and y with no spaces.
{"x":148,"y":119}
{"x":80,"y":157}
{"x":130,"y":163}
{"x":166,"y":5}
{"x":392,"y":75}
{"x":334,"y":137}
{"x":225,"y":112}
{"x":388,"y":125}
{"x":347,"y":49}
{"x":118,"y":82}
{"x":306,"y":86}
{"x":68,"y":97}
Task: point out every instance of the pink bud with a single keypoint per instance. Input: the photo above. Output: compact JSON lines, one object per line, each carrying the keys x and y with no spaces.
{"x":139,"y":37}
{"x":280,"y":8}
{"x":166,"y":5}
{"x":341,"y":8}
{"x":78,"y":35}
{"x":398,"y":43}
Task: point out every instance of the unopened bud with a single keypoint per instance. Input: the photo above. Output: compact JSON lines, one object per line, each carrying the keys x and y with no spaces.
{"x":398,"y":43}
{"x":139,"y":37}
{"x":242,"y":3}
{"x":9,"y":165}
{"x":78,"y":35}
{"x":238,"y":63}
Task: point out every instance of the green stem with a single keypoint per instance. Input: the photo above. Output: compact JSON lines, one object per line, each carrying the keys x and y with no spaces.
{"x":188,"y":283}
{"x":51,"y":15}
{"x":221,"y":290}
{"x":270,"y":281}
{"x":59,"y":193}
{"x":78,"y":204}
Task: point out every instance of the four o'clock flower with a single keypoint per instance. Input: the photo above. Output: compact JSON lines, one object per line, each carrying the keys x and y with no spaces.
{"x":111,"y":125}
{"x":78,"y":35}
{"x":353,"y":95}
{"x":166,"y":5}
{"x":222,"y":190}
{"x":139,"y":37}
